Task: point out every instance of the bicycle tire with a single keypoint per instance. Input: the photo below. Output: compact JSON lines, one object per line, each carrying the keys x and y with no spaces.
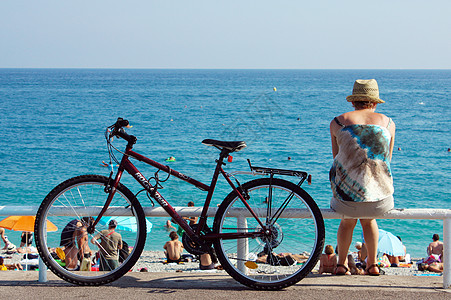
{"x":273,"y":272}
{"x":85,"y":196}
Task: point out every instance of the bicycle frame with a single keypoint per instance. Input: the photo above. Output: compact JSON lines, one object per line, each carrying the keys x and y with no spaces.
{"x":128,"y":166}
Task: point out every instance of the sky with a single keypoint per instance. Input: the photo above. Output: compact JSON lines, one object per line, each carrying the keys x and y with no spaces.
{"x":209,"y":34}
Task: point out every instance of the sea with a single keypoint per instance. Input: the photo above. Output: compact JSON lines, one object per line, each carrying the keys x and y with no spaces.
{"x":53,"y":123}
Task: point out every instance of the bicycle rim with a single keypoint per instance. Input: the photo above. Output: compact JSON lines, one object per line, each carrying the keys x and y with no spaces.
{"x":292,"y":245}
{"x":80,"y":197}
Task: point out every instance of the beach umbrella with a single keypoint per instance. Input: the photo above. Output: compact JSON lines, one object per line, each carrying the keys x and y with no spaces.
{"x":388,"y":243}
{"x":125,"y":223}
{"x":23,"y":223}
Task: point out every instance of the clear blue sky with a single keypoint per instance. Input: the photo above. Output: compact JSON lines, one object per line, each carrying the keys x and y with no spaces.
{"x":226,"y":34}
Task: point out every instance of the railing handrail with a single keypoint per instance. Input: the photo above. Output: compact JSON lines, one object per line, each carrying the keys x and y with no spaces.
{"x":411,"y":213}
{"x":407,"y":213}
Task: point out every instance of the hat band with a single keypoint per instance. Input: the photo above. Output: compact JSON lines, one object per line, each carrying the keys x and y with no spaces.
{"x":364,"y":90}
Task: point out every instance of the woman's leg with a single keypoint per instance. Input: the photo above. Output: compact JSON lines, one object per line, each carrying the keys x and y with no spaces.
{"x":371,"y":235}
{"x":344,"y":239}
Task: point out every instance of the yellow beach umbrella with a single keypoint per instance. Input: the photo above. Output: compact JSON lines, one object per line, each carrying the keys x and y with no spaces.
{"x":24,"y":223}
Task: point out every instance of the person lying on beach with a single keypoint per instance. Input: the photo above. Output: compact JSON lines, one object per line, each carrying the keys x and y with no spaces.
{"x":6,"y":267}
{"x":173,"y":248}
{"x":434,"y":267}
{"x":281,"y":259}
{"x":29,"y":249}
{"x":328,"y":261}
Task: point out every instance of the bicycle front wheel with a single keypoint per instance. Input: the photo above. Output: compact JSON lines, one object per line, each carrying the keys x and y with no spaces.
{"x":64,"y":243}
{"x":288,"y":239}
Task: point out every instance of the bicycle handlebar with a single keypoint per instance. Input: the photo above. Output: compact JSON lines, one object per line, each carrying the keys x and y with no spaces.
{"x":120,"y":132}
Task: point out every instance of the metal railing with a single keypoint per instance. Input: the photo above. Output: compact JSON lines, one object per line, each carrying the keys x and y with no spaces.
{"x":413,"y":214}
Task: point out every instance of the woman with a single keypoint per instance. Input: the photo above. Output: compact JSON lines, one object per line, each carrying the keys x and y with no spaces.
{"x":328,"y":261}
{"x":361,"y":180}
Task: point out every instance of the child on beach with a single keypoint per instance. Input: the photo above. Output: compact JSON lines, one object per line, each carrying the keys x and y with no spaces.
{"x":173,"y":248}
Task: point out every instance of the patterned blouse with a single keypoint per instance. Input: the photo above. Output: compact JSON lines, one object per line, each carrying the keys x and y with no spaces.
{"x":361,"y":169}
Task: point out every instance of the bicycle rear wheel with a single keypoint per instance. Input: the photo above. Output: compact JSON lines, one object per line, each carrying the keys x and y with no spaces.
{"x":80,"y":197}
{"x":289,"y":246}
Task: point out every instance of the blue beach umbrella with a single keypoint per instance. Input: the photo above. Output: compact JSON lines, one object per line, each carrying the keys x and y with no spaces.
{"x":125,"y":223}
{"x":388,"y":243}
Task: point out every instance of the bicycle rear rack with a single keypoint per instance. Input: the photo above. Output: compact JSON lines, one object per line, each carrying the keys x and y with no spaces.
{"x":272,"y":171}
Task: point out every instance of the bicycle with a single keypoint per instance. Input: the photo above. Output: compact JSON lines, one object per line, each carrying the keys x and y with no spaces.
{"x":251,"y":225}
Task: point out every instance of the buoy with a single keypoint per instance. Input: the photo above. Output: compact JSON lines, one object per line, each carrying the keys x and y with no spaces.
{"x":274,"y":89}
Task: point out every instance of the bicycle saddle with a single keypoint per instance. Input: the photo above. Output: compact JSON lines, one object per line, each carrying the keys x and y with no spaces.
{"x":231,"y":146}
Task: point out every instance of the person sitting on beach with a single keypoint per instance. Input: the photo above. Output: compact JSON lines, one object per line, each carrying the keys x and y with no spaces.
{"x":328,"y":261}
{"x":173,"y":248}
{"x":360,"y":177}
{"x":109,"y":246}
{"x":205,"y":262}
{"x":6,"y":267}
{"x":433,"y":267}
{"x":436,"y":247}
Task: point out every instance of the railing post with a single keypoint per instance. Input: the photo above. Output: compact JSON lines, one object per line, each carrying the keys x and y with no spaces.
{"x":242,"y":246}
{"x":446,"y":253}
{"x":42,"y":266}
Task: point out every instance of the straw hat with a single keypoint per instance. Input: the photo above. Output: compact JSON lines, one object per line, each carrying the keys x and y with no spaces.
{"x":365,"y":90}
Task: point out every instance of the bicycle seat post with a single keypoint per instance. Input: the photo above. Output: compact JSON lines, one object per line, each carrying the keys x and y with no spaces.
{"x":219,"y":163}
